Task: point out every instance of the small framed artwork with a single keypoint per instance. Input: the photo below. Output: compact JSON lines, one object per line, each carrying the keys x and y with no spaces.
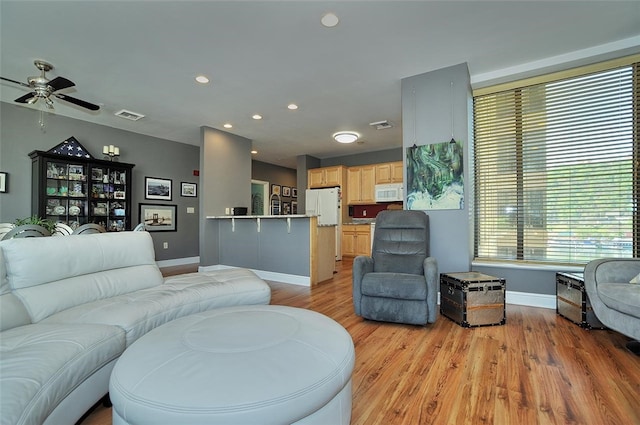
{"x":275,"y":189}
{"x":294,"y":192}
{"x":188,"y":189}
{"x":286,"y":191}
{"x":4,"y":182}
{"x":159,"y":217}
{"x":119,"y":194}
{"x":294,"y":207}
{"x":157,"y":188}
{"x":286,"y":208}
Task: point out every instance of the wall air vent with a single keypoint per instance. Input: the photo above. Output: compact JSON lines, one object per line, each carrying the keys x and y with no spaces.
{"x":128,"y":115}
{"x":381,"y":125}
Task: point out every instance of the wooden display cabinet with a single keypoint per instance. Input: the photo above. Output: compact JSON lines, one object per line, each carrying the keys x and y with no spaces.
{"x":77,"y":190}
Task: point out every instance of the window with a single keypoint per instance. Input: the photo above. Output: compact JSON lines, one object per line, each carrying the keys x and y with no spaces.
{"x":556,"y":168}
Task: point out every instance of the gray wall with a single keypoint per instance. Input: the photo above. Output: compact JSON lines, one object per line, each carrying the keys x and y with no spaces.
{"x":427,"y":102}
{"x":225,"y":172}
{"x":274,"y":174}
{"x":20,"y":134}
{"x":388,"y":155}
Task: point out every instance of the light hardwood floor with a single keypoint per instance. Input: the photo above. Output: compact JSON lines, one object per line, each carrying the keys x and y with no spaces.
{"x":538,"y":368}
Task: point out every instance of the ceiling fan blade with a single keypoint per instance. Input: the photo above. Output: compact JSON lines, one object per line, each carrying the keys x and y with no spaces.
{"x":26,"y":97}
{"x":14,"y":81}
{"x":60,"y":83}
{"x":78,"y":102}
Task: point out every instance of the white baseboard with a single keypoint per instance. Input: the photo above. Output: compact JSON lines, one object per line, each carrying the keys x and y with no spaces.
{"x":178,"y":262}
{"x":531,"y":299}
{"x":266,"y":275}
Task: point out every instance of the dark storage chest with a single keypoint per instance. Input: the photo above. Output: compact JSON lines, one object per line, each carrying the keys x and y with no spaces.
{"x":572,"y":301}
{"x":472,"y":299}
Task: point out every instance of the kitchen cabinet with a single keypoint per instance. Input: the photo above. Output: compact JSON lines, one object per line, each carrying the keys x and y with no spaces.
{"x":389,"y":172}
{"x":356,"y":239}
{"x":361,"y":184}
{"x":326,"y":176}
{"x":77,"y":190}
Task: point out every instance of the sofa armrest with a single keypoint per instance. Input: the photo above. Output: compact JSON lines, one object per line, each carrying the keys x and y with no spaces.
{"x":361,"y":266}
{"x":607,"y":270}
{"x":431,"y":277}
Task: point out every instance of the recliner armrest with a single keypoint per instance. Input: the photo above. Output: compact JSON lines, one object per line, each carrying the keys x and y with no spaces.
{"x":430,"y":265}
{"x":361,"y":266}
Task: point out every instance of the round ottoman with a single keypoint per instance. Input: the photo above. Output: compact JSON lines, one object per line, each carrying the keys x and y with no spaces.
{"x":261,"y":364}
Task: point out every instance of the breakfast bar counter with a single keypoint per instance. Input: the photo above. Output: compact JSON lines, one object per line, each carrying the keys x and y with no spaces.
{"x":284,"y":248}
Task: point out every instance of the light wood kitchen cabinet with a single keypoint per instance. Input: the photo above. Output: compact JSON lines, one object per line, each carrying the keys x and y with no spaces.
{"x":356,"y":240}
{"x":326,"y":176}
{"x":389,"y":172}
{"x":361,"y":184}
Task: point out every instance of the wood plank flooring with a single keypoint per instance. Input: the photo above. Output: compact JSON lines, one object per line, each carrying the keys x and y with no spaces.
{"x":538,"y":368}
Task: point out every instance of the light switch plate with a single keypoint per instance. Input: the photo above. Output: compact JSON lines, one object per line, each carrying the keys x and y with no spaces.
{"x":190,"y":210}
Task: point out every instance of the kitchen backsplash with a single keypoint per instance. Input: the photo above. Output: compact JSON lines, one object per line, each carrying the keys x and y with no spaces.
{"x":371,"y":210}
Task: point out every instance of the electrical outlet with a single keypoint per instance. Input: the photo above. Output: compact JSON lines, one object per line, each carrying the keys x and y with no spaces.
{"x":165,"y":245}
{"x":364,"y":213}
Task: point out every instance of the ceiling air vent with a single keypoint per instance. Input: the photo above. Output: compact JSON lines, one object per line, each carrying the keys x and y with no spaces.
{"x":381,"y":125}
{"x":128,"y":115}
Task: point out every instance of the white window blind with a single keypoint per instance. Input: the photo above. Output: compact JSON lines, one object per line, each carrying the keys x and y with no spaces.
{"x":556,"y":169}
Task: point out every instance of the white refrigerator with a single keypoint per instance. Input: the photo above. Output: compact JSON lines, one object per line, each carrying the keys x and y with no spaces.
{"x":325,"y":204}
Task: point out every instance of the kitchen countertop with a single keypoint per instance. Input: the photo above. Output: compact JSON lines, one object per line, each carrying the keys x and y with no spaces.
{"x":260,"y":216}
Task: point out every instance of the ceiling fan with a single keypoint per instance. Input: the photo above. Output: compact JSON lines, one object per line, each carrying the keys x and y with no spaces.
{"x":43,"y":88}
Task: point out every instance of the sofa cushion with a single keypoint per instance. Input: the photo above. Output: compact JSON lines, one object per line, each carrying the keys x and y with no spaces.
{"x":41,"y":364}
{"x":12,"y":312}
{"x":56,"y":273}
{"x":139,"y":312}
{"x":623,"y":297}
{"x":395,"y":285}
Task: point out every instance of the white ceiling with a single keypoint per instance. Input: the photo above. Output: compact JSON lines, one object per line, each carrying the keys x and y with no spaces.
{"x":260,"y":56}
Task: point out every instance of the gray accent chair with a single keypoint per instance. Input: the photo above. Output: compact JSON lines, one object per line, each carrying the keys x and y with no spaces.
{"x":398,"y":283}
{"x":615,"y":301}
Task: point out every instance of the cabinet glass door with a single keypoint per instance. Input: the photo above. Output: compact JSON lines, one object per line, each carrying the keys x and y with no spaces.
{"x":66,"y":190}
{"x":108,"y":198}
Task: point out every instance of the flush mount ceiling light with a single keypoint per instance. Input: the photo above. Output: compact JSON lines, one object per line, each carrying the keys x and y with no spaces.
{"x":257,"y":117}
{"x":292,"y":106}
{"x":227,"y":125}
{"x":202,"y":79}
{"x":329,"y":20}
{"x":346,"y":137}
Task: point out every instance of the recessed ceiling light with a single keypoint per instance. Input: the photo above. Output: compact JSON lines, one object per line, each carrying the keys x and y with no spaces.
{"x":329,"y":20}
{"x":253,"y":151}
{"x":292,"y":106}
{"x":346,"y":137}
{"x":257,"y":117}
{"x":202,"y":79}
{"x":227,"y":125}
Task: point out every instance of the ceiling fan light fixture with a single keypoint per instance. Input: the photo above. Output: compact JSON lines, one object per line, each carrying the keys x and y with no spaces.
{"x":346,"y":136}
{"x":48,"y":102}
{"x":33,"y":100}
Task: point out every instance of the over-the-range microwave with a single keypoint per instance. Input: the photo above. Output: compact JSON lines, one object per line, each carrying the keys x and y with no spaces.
{"x":391,"y":192}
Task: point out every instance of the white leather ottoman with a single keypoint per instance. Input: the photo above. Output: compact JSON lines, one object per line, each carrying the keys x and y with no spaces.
{"x":260,"y":364}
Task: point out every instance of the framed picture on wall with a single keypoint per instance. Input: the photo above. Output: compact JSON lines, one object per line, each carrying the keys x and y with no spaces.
{"x":286,"y":191}
{"x":188,"y":189}
{"x":157,"y":188}
{"x":275,"y":189}
{"x":159,"y":217}
{"x":294,"y":192}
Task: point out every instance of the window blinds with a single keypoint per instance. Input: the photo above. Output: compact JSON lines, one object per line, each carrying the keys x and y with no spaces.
{"x":556,"y":169}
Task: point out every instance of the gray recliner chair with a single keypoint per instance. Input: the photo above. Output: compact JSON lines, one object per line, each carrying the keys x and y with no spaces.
{"x":398,"y":283}
{"x":615,"y":301}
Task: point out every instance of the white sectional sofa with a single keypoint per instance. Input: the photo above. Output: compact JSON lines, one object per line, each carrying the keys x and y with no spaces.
{"x":70,"y":305}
